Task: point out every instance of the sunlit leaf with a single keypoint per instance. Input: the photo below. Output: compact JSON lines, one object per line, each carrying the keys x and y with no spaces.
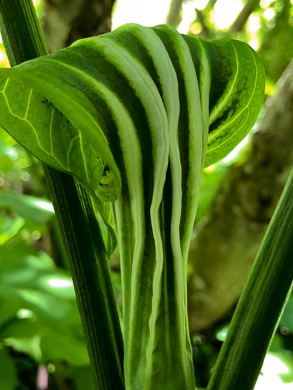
{"x":31,"y":279}
{"x":8,"y":375}
{"x":9,"y":227}
{"x":36,"y":209}
{"x":82,"y":82}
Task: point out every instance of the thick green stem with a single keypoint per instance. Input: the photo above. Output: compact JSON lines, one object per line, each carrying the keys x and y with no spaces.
{"x":23,"y":41}
{"x":90,"y":273}
{"x":21,"y":33}
{"x":260,"y":305}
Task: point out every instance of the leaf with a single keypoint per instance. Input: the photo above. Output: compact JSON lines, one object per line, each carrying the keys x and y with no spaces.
{"x":29,"y":207}
{"x":8,"y":310}
{"x":83,"y":378}
{"x":8,"y":375}
{"x":65,"y":345}
{"x":231,"y":79}
{"x":31,"y":280}
{"x":37,"y":123}
{"x":86,"y":83}
{"x":45,"y":343}
{"x":9,"y":227}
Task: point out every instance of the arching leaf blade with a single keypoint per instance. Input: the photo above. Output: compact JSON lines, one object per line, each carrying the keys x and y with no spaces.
{"x":234,"y":112}
{"x":79,"y":147}
{"x":235,"y":86}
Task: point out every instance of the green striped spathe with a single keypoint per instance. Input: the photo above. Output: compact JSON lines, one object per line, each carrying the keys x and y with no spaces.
{"x":134,"y":115}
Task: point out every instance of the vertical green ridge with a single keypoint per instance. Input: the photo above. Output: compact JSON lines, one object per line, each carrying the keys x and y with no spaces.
{"x":157,"y":347}
{"x":21,"y":33}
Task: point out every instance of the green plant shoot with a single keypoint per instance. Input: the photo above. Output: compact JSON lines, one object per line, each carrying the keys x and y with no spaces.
{"x":134,"y":116}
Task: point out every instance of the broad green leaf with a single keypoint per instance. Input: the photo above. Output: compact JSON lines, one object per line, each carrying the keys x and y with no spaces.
{"x":26,"y":328}
{"x":64,"y":345}
{"x":8,"y":310}
{"x":14,"y":255}
{"x":83,"y":378}
{"x":234,"y":88}
{"x":38,"y":123}
{"x":33,"y":281}
{"x":45,"y":343}
{"x":86,"y":84}
{"x":29,"y":346}
{"x":29,"y":207}
{"x":36,"y":298}
{"x":8,"y":374}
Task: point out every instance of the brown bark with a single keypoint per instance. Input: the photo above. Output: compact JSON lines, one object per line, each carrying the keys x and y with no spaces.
{"x":225,"y":246}
{"x":65,"y":21}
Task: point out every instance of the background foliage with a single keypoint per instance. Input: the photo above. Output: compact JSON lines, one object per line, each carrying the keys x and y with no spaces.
{"x":41,"y":340}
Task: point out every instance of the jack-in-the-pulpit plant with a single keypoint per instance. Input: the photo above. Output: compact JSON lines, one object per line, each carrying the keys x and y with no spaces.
{"x":134,"y":116}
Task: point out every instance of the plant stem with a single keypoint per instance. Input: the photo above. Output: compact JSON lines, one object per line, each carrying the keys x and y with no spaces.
{"x":23,"y":41}
{"x":174,"y":16}
{"x":260,"y":305}
{"x":91,"y":278}
{"x":21,"y":33}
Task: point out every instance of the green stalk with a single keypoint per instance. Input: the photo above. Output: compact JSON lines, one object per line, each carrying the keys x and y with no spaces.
{"x":21,"y":33}
{"x":260,"y":305}
{"x":83,"y":240}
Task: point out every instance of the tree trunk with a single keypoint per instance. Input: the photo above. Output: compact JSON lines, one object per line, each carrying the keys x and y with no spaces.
{"x":65,"y":21}
{"x":224,"y":248}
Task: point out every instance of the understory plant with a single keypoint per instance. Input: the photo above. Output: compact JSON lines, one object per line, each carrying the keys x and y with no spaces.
{"x":134,"y":116}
